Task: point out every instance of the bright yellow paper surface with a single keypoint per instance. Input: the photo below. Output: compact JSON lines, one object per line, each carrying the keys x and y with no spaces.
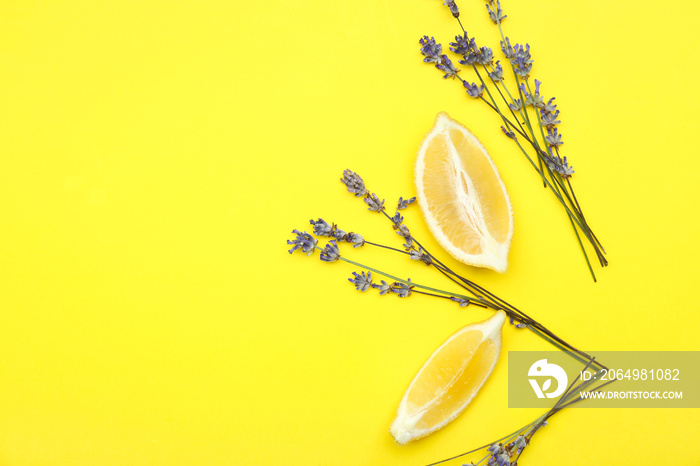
{"x":155,"y":156}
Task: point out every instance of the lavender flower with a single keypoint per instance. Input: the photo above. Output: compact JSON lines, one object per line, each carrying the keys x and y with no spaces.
{"x":516,"y":105}
{"x":453,"y":7}
{"x":473,"y":90}
{"x":537,"y":98}
{"x":430,"y":49}
{"x":303,"y":241}
{"x":330,"y":253}
{"x":508,"y":133}
{"x":354,"y":183}
{"x":402,"y":230}
{"x":397,"y":219}
{"x":375,"y":205}
{"x":485,"y":56}
{"x":461,"y":45}
{"x":502,"y":459}
{"x":523,"y":52}
{"x":420,"y":255}
{"x":522,"y":67}
{"x":321,"y":227}
{"x":383,"y":288}
{"x":549,"y":106}
{"x":361,"y":282}
{"x":497,"y":74}
{"x":562,"y":166}
{"x":553,"y":137}
{"x":529,"y":101}
{"x":507,"y":49}
{"x":403,"y":203}
{"x":520,"y":443}
{"x":356,"y":239}
{"x":338,"y":233}
{"x":402,"y":289}
{"x":495,"y":449}
{"x":549,"y":119}
{"x":496,"y":14}
{"x":469,"y":59}
{"x":446,"y":66}
{"x":521,"y":61}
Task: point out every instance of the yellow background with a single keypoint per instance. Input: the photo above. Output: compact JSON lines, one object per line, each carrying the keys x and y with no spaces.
{"x":155,"y":156}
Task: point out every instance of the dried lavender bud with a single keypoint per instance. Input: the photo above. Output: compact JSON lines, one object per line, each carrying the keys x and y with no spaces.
{"x":469,"y":59}
{"x":553,"y":137}
{"x":461,"y":45}
{"x":453,"y":7}
{"x":495,"y":449}
{"x":354,"y":183}
{"x":560,"y":165}
{"x":356,"y":239}
{"x":507,"y":49}
{"x":485,"y":56}
{"x":402,"y":289}
{"x":549,"y":106}
{"x":516,"y":105}
{"x":330,"y":253}
{"x":397,"y":219}
{"x":375,"y":205}
{"x":445,"y":65}
{"x":537,"y":99}
{"x":523,"y":52}
{"x":338,"y":233}
{"x":473,"y":90}
{"x":402,"y":230}
{"x":431,"y":50}
{"x":520,"y":443}
{"x":522,"y":61}
{"x":528,"y":98}
{"x":522,"y":67}
{"x":508,"y":133}
{"x":321,"y":227}
{"x":383,"y":288}
{"x":496,"y":14}
{"x":497,"y":74}
{"x":549,"y":120}
{"x":461,"y":301}
{"x":420,"y":255}
{"x":502,"y":459}
{"x":361,"y":282}
{"x":303,"y":241}
{"x":403,"y":203}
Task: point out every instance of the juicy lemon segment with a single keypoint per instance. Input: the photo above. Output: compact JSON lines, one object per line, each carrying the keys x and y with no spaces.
{"x":463,"y":199}
{"x":449,"y":380}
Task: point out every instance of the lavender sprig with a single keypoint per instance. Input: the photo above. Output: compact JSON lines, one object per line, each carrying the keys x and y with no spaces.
{"x":506,"y":450}
{"x":416,"y":251}
{"x":524,"y":112}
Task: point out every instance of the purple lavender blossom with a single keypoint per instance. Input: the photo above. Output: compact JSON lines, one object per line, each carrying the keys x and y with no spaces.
{"x":354,"y":183}
{"x":473,"y":90}
{"x":330,"y":253}
{"x":453,"y":7}
{"x":362,"y":282}
{"x":303,"y":241}
{"x":321,"y":227}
